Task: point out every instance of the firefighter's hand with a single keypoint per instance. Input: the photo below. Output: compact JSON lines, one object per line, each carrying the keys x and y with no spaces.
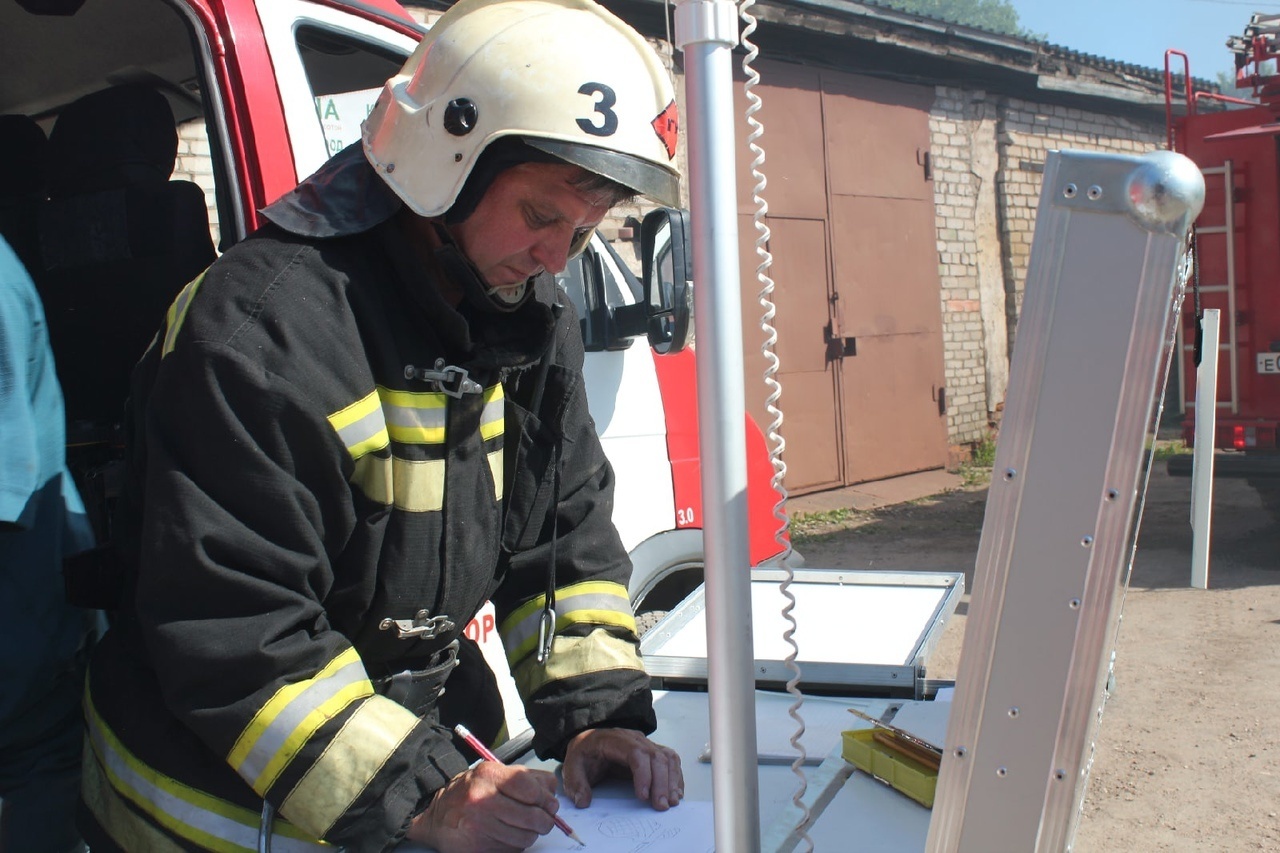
{"x":491,"y":807}
{"x":593,"y":754}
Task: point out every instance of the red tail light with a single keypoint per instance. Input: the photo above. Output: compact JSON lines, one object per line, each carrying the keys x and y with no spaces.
{"x":1237,"y":437}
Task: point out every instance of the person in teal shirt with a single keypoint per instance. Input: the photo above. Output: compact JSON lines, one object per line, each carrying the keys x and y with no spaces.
{"x":44,"y":641}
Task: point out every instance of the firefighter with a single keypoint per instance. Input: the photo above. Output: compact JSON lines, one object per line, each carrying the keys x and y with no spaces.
{"x":354,"y":428}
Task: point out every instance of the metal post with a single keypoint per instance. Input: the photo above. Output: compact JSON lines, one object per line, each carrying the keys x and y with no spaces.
{"x":707,"y":31}
{"x":1202,"y":458}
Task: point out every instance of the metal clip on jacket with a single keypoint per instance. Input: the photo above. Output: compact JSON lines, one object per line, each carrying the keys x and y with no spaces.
{"x":546,"y":632}
{"x":447,"y":378}
{"x":423,"y":626}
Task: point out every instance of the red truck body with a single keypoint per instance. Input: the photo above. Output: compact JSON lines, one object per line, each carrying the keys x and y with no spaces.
{"x":1237,"y":250}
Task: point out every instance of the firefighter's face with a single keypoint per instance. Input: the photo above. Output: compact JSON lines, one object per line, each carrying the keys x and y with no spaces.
{"x":526,"y":223}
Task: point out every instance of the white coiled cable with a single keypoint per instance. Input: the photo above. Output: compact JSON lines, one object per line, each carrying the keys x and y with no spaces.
{"x":777,"y":444}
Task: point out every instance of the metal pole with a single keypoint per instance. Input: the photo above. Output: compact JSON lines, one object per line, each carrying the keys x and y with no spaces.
{"x":1202,"y":455}
{"x":707,"y":31}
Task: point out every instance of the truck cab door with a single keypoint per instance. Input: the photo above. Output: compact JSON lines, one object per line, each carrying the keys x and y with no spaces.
{"x":277,"y":78}
{"x":329,"y":65}
{"x":622,"y":391}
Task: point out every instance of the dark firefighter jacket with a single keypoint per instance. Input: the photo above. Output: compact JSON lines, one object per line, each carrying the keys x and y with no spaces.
{"x":299,"y":490}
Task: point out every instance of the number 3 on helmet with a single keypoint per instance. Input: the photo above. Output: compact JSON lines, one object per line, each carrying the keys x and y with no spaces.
{"x":566,"y":76}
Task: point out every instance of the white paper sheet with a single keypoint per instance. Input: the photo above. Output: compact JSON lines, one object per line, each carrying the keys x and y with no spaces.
{"x":611,"y":825}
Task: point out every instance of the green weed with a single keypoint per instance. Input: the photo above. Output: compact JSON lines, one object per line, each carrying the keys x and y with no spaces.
{"x":1165,"y":449}
{"x":977,"y":470}
{"x":809,"y":523}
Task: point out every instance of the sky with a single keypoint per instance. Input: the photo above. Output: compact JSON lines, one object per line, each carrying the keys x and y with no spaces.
{"x":1139,"y":31}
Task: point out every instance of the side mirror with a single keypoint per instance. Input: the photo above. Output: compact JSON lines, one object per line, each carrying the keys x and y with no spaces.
{"x":668,"y":278}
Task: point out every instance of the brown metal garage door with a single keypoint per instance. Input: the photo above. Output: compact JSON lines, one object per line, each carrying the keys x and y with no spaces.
{"x":855,"y":265}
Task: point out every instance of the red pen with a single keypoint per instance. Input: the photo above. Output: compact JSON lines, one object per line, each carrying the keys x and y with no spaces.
{"x":485,"y":753}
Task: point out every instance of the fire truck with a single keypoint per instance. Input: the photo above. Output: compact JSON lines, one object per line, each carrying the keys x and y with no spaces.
{"x":1236,"y":144}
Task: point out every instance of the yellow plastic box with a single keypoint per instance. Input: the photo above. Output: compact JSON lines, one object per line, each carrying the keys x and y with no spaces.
{"x":900,"y":772}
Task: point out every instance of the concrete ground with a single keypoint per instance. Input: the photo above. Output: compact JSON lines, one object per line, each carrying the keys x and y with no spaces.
{"x":881,"y":493}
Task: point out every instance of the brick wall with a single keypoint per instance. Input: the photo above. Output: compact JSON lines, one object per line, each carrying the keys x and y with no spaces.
{"x":1028,"y":131}
{"x":195,"y":164}
{"x":988,"y":157}
{"x":956,"y":125}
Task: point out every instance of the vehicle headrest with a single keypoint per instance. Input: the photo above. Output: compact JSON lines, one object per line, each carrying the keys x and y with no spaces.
{"x":117,"y":137}
{"x":23,"y":148}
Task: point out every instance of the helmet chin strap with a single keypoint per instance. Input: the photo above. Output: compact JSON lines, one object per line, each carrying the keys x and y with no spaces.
{"x":510,"y":295}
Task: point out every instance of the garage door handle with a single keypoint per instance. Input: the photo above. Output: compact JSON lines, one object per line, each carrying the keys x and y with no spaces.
{"x":837,"y":346}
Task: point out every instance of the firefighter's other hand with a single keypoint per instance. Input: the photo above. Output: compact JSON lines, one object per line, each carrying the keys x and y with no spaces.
{"x":491,"y":807}
{"x":654,"y":769}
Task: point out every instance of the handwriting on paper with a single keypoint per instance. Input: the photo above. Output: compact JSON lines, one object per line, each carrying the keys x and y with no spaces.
{"x":611,"y":825}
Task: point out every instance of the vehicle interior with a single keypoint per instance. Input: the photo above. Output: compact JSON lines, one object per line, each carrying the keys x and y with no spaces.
{"x":90,"y":103}
{"x":94,"y":198}
{"x":53,"y":59}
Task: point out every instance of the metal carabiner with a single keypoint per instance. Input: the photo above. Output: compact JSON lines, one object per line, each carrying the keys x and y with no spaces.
{"x":266,"y":827}
{"x":546,"y":632}
{"x":446,"y":378}
{"x":423,"y":626}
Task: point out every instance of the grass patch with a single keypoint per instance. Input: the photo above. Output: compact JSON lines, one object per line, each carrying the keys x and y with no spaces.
{"x":1166,"y":449}
{"x":809,"y":523}
{"x":984,"y":453}
{"x":977,"y":470}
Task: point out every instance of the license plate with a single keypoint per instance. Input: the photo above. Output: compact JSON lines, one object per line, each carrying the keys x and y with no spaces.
{"x":1269,"y":362}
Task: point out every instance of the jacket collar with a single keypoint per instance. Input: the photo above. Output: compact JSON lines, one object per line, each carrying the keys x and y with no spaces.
{"x":345,"y":196}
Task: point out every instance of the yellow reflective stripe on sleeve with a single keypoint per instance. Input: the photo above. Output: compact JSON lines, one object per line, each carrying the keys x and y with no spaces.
{"x":177,"y":313}
{"x":369,"y":737}
{"x":590,"y":602}
{"x":494,"y":418}
{"x":599,"y":651}
{"x":113,"y":774}
{"x":415,"y":417}
{"x":496,"y":468}
{"x":287,"y":721}
{"x":361,"y":426}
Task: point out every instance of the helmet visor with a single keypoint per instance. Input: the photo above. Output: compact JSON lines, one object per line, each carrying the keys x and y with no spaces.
{"x":645,"y":177}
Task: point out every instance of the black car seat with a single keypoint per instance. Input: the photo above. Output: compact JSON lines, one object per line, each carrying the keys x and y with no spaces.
{"x":118,"y":240}
{"x":23,"y":148}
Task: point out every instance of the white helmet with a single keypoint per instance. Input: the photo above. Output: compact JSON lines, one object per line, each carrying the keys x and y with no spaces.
{"x":566,"y":76}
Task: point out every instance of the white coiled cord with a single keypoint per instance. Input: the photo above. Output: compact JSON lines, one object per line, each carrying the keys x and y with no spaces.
{"x":777,"y":444}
